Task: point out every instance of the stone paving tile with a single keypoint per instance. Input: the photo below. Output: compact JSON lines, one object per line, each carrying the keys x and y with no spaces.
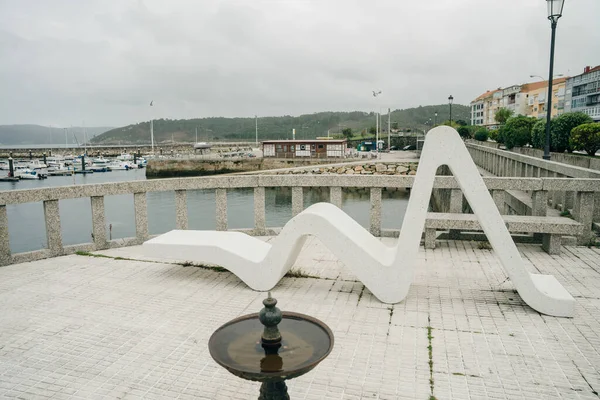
{"x":98,"y":328}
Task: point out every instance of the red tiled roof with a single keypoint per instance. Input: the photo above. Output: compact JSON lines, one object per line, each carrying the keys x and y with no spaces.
{"x":538,"y":85}
{"x":486,"y":94}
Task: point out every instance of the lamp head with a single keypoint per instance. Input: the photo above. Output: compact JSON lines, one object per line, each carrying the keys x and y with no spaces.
{"x":555,"y":9}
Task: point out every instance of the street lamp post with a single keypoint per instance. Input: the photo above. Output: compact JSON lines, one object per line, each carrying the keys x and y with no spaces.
{"x":555,"y":8}
{"x":375,"y":94}
{"x":450,"y":100}
{"x":389,"y":129}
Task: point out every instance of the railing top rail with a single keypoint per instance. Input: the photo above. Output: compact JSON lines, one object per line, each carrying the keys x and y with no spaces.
{"x":251,"y":181}
{"x":561,"y":168}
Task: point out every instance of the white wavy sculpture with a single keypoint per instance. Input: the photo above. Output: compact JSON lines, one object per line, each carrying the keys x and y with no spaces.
{"x":386,"y":271}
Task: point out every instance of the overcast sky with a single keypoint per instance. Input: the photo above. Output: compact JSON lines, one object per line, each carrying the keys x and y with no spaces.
{"x":63,"y":62}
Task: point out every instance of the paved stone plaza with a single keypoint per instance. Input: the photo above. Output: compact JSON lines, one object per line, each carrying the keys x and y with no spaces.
{"x":90,"y":328}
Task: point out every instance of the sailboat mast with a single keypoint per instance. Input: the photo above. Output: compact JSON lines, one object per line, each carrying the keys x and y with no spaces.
{"x":84,"y":139}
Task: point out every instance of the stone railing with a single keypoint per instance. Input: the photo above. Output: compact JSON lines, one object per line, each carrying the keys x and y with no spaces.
{"x":577,"y":160}
{"x":372,"y":168}
{"x":504,"y":163}
{"x":50,"y":197}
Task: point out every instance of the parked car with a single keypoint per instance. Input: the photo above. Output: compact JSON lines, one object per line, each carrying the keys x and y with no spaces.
{"x":409,"y":147}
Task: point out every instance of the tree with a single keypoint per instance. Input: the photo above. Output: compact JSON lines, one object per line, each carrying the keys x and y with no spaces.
{"x":347,"y":132}
{"x":372,"y":130}
{"x":464,"y":132}
{"x":586,"y":137}
{"x":538,"y":134}
{"x":394,"y":125}
{"x":517,"y":131}
{"x":461,"y":122}
{"x":502,"y":115}
{"x":561,"y":127}
{"x":481,"y":135}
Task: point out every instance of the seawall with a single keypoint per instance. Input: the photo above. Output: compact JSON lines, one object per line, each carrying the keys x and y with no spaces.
{"x":165,"y":168}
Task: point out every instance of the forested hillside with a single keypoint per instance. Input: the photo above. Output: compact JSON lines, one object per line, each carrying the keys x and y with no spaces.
{"x":307,"y":126}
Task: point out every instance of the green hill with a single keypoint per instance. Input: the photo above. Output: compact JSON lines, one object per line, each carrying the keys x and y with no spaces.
{"x":307,"y":126}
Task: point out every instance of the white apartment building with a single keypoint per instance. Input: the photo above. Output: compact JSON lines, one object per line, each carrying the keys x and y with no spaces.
{"x":583,"y":93}
{"x":527,"y":99}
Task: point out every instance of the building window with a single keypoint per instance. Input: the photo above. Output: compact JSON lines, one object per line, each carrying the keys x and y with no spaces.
{"x":320,"y":146}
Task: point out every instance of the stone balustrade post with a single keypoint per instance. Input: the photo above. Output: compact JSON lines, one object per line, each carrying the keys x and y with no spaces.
{"x":498,"y":197}
{"x":5,"y":254}
{"x":221,"y":212}
{"x":181,"y":211}
{"x":375,"y":212}
{"x":539,"y":207}
{"x":335,"y":196}
{"x":297,"y":200}
{"x":259,"y":211}
{"x":456,"y":203}
{"x":140,"y":206}
{"x":539,"y":203}
{"x":558,"y":197}
{"x":597,"y":207}
{"x":98,"y":222}
{"x":583,"y":212}
{"x":53,"y":229}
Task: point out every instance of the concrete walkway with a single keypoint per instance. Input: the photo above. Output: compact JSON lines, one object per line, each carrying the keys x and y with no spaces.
{"x":104,"y":328}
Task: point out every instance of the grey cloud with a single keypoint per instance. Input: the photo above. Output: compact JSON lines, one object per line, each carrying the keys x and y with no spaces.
{"x":102,"y":61}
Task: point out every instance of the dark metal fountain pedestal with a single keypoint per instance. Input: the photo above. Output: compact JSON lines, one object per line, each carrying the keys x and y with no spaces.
{"x":271,"y":347}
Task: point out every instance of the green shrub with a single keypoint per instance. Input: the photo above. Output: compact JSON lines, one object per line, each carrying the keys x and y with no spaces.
{"x":586,"y":137}
{"x":538,"y":134}
{"x":518,"y":137}
{"x":517,"y":131}
{"x":481,"y":135}
{"x":500,"y":134}
{"x":464,"y":132}
{"x":561,"y":127}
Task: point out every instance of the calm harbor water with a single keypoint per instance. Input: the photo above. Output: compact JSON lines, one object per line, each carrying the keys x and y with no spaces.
{"x":27,"y":230}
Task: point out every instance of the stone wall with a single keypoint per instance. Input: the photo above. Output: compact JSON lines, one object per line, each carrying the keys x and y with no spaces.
{"x":403,"y":168}
{"x":578,"y":160}
{"x":167,"y":168}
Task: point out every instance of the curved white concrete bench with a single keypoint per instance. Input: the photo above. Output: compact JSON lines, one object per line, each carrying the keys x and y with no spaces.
{"x":386,"y":271}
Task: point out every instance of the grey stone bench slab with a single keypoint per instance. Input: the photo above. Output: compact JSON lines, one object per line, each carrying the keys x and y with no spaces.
{"x":552,"y":228}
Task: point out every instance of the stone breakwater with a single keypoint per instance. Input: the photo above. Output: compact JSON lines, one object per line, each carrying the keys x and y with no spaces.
{"x":403,"y":168}
{"x":168,"y":168}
